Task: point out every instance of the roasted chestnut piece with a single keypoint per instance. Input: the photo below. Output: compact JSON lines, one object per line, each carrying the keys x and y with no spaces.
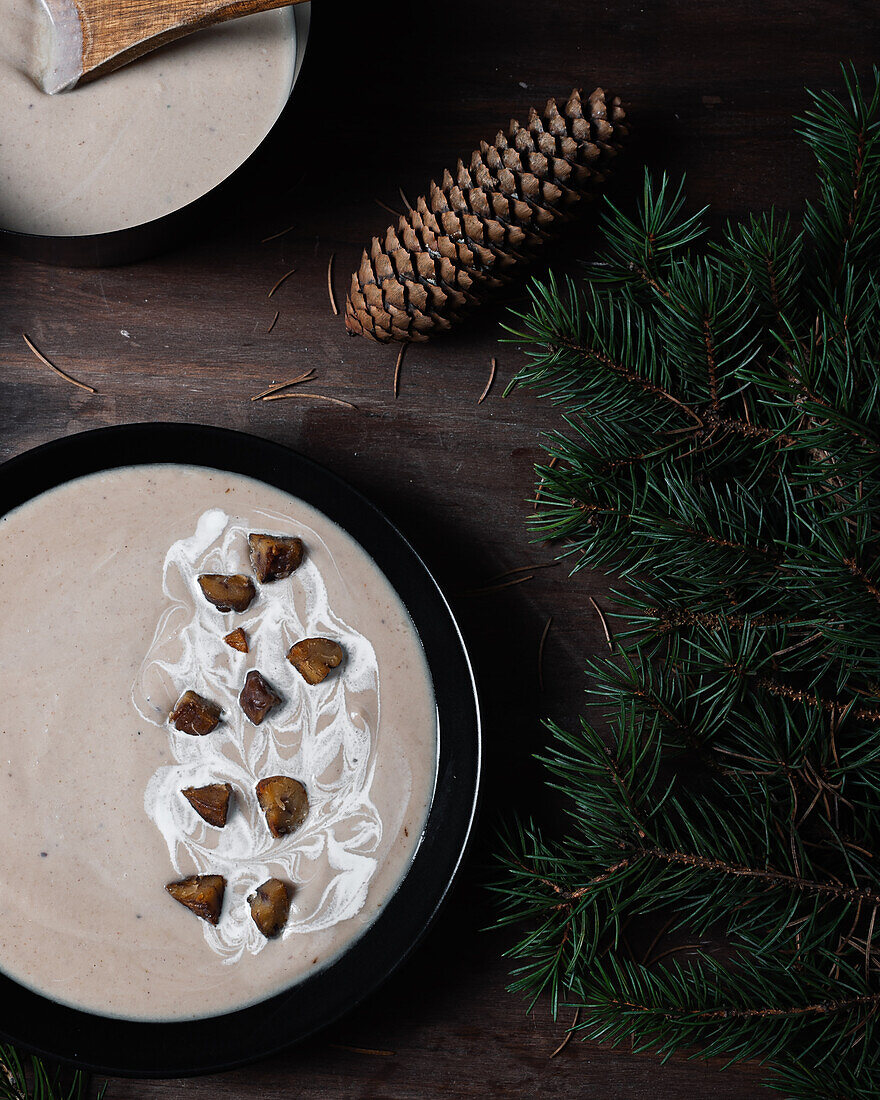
{"x":274,"y":557}
{"x":257,"y":698}
{"x":195,"y":715}
{"x":284,"y":802}
{"x":228,"y":592}
{"x":314,"y":657}
{"x":270,"y":906}
{"x":211,"y":803}
{"x":237,"y":639}
{"x":201,"y":894}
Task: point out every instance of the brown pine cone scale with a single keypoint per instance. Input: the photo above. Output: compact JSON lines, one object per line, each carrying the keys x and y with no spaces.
{"x":483,"y":224}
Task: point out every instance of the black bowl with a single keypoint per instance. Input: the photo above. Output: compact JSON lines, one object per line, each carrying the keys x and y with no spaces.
{"x":139,"y":242}
{"x":141,"y":1049}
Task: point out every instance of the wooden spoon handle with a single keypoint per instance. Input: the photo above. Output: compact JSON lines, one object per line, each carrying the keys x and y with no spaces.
{"x":118,"y":31}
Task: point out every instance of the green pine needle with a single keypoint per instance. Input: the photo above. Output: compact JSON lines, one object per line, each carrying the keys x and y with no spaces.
{"x":35,"y":1079}
{"x":718,"y":886}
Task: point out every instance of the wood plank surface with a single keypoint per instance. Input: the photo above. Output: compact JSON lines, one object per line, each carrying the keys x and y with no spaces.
{"x":391,"y":94}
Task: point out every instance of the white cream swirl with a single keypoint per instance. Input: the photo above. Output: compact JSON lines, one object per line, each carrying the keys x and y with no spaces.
{"x":322,"y":735}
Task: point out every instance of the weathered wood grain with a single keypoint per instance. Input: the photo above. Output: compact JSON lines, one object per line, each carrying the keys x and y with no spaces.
{"x":391,"y":95}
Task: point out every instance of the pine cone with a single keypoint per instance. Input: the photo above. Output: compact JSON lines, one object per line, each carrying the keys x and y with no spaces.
{"x":476,"y":230}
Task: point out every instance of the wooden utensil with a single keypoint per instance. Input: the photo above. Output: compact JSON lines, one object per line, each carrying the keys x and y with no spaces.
{"x":87,"y":38}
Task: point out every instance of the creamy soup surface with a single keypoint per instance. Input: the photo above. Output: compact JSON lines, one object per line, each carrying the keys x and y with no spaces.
{"x":110,"y":628}
{"x":140,"y":142}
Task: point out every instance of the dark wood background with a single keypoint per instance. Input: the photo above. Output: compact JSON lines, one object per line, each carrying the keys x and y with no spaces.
{"x":392,"y":94}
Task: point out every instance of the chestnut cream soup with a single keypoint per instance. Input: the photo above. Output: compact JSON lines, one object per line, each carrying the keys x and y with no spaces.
{"x":272,"y":763}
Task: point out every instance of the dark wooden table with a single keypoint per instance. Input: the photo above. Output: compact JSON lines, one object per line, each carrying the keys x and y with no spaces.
{"x":392,"y":94}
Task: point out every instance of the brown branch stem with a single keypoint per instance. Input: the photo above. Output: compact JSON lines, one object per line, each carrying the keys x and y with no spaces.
{"x":818,"y":1008}
{"x":702,"y":418}
{"x":711,"y":364}
{"x":628,"y":375}
{"x":649,"y":280}
{"x":670,"y":618}
{"x":809,"y":699}
{"x":861,"y":575}
{"x":718,"y":866}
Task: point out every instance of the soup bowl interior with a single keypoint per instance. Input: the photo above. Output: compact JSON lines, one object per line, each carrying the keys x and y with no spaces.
{"x":134,"y":243}
{"x":131,"y":1047}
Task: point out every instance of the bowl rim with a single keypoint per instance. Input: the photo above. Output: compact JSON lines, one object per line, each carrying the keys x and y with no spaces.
{"x":135,"y":1048}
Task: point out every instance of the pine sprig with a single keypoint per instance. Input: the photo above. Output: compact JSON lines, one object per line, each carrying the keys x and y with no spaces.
{"x":721,"y":455}
{"x":34,"y":1079}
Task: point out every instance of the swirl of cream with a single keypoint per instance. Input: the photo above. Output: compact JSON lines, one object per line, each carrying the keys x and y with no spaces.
{"x":321,"y":735}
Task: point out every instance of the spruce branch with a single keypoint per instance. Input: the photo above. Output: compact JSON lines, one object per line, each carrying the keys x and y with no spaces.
{"x":720,"y":453}
{"x":35,"y":1079}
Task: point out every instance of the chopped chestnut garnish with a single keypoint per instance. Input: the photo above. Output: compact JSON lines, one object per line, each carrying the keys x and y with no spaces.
{"x":201,"y":894}
{"x":228,"y":593}
{"x":274,"y":557}
{"x":237,"y":639}
{"x":257,"y":698}
{"x":314,"y":657}
{"x":270,"y":906}
{"x":211,"y":802}
{"x":284,"y":802}
{"x":195,"y":715}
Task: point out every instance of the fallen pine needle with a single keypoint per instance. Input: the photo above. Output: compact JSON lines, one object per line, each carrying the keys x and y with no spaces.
{"x":313,"y":396}
{"x":496,"y":587}
{"x":550,"y":466}
{"x":283,"y":279}
{"x":364,"y":1050}
{"x":333,"y":305}
{"x":397,"y":366}
{"x":568,"y":1034}
{"x":57,"y":370}
{"x":385,"y":206}
{"x":664,"y":928}
{"x":307,"y":377}
{"x":485,"y":392}
{"x":543,"y":642}
{"x":406,"y":201}
{"x":675,"y":950}
{"x":275,"y":236}
{"x":522,"y":569}
{"x":274,"y":321}
{"x":797,"y":645}
{"x":604,"y":623}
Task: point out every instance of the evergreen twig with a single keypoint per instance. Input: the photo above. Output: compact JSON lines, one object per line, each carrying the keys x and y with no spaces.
{"x":35,"y":1079}
{"x":721,"y":455}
